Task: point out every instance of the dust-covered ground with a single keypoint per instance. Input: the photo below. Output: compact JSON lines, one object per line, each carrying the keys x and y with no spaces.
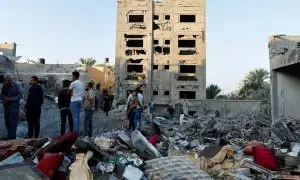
{"x":50,"y":120}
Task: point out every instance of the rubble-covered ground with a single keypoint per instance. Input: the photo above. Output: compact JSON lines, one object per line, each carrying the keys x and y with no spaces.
{"x":50,"y":120}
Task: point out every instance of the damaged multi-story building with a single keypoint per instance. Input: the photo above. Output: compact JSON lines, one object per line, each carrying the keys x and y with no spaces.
{"x":161,"y":47}
{"x":284,"y":52}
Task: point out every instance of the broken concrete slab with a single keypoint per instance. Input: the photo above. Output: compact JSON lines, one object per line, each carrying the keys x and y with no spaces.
{"x":175,"y":167}
{"x":144,"y":148}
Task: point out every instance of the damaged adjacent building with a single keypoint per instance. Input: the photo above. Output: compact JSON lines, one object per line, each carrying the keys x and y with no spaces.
{"x":284,"y":52}
{"x":161,"y":48}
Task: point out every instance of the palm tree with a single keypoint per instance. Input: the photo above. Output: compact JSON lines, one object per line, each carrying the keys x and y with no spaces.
{"x":87,"y":61}
{"x":212,"y":91}
{"x":255,"y":80}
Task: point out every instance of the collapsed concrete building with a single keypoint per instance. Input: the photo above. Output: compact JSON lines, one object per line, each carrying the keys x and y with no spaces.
{"x":284,"y":52}
{"x":161,"y":48}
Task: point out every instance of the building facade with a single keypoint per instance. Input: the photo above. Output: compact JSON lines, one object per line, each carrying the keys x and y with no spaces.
{"x":284,"y":53}
{"x":161,"y":47}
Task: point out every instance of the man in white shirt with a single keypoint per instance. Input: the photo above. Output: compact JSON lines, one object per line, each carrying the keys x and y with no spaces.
{"x":76,"y":89}
{"x":138,"y":118}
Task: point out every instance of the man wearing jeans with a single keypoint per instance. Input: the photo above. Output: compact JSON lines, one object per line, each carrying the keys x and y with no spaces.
{"x":89,"y":108}
{"x":76,"y":89}
{"x":138,"y":115}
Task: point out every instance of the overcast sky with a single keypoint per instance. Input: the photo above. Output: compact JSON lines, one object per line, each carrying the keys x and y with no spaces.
{"x":65,"y":30}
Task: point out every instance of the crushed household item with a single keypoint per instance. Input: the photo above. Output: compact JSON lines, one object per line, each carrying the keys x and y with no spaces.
{"x":103,"y":143}
{"x":21,"y":171}
{"x":60,"y":144}
{"x":13,"y":159}
{"x":132,"y":173}
{"x":264,"y":157}
{"x":80,"y":170}
{"x":50,"y":163}
{"x":143,"y":147}
{"x":175,"y":167}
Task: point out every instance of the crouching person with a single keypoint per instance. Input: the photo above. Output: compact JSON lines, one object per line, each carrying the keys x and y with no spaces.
{"x":89,"y":108}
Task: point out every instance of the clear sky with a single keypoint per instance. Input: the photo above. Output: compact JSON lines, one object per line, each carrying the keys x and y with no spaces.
{"x":65,"y":30}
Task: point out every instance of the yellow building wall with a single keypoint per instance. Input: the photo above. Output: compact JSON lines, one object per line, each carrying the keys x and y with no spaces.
{"x":103,"y":75}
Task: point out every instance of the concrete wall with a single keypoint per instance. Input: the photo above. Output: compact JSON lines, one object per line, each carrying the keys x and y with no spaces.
{"x":284,"y":52}
{"x":8,"y":49}
{"x":171,"y":29}
{"x":227,"y":108}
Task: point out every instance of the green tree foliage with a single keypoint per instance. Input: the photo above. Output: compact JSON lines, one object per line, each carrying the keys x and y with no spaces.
{"x":212,"y":91}
{"x":87,"y":61}
{"x":255,"y":84}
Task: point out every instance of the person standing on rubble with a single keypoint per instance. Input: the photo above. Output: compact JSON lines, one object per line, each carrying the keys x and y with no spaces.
{"x":131,"y":111}
{"x":106,"y":104}
{"x":89,"y":108}
{"x":76,"y":90}
{"x":140,"y":108}
{"x":33,"y":107}
{"x":97,"y":96}
{"x":171,"y":111}
{"x":11,"y":95}
{"x":64,"y":101}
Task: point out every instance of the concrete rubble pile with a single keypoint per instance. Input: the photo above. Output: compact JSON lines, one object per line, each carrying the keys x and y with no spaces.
{"x":243,"y":147}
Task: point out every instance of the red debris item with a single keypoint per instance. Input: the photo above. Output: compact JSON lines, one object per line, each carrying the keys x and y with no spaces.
{"x":61,"y":144}
{"x":265,"y":157}
{"x":249,"y":147}
{"x":153,"y":139}
{"x":50,"y":163}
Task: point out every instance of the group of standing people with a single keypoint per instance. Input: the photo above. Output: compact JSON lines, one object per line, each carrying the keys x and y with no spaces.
{"x":10,"y":97}
{"x":135,"y":107}
{"x":71,"y":100}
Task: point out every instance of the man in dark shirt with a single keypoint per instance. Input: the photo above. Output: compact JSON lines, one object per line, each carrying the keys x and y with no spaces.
{"x":10,"y":97}
{"x":33,"y":107}
{"x":64,"y":101}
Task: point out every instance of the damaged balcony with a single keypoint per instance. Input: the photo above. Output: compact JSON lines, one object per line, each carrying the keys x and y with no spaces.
{"x":187,"y":46}
{"x":186,"y":77}
{"x":135,"y":52}
{"x":135,"y":77}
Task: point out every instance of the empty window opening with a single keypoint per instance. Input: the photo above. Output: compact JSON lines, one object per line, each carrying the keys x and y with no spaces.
{"x":158,"y":49}
{"x":187,"y":52}
{"x":187,"y":69}
{"x":155,"y":93}
{"x":155,"y":67}
{"x":134,"y":60}
{"x":166,"y":50}
{"x":167,"y":93}
{"x":129,"y":52}
{"x":155,"y":26}
{"x":187,"y":18}
{"x":156,"y":17}
{"x":187,"y":78}
{"x":155,"y":42}
{"x":138,"y":52}
{"x":298,"y":45}
{"x":135,"y":68}
{"x":133,"y":36}
{"x":166,"y":67}
{"x":167,"y":42}
{"x":187,"y":95}
{"x":192,"y":113}
{"x":186,"y":43}
{"x":136,"y":18}
{"x":167,"y":17}
{"x":135,"y":43}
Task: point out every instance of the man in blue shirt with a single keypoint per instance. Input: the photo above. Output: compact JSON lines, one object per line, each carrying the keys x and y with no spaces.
{"x":10,"y":97}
